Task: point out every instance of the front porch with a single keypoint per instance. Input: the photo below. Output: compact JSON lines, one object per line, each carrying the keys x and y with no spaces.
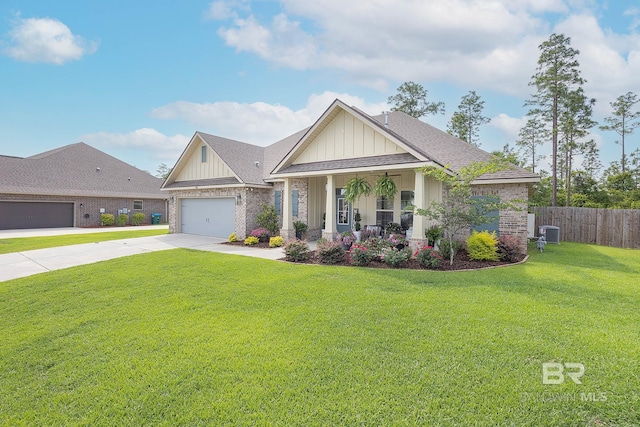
{"x":328,"y":214}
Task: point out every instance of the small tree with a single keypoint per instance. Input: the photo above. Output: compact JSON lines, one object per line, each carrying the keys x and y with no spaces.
{"x":465,"y":122}
{"x":459,"y":210}
{"x":268,"y":219}
{"x":623,"y":121}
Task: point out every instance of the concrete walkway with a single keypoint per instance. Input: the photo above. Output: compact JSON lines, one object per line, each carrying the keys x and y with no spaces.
{"x":27,"y":263}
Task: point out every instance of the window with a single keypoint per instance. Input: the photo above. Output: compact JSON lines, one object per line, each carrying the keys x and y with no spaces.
{"x":278,"y":201}
{"x":406,"y":206}
{"x":137,"y":205}
{"x":204,"y":153}
{"x":384,"y":211}
{"x":294,"y":202}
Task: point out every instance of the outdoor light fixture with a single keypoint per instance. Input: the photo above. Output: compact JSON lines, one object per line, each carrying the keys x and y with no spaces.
{"x":238,"y":199}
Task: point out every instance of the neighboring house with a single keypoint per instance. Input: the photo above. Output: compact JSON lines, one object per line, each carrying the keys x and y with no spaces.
{"x":218,"y":186}
{"x":71,"y":186}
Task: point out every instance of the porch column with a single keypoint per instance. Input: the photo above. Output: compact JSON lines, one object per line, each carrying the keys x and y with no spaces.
{"x":287,"y":231}
{"x":329,"y":230}
{"x":420,"y":201}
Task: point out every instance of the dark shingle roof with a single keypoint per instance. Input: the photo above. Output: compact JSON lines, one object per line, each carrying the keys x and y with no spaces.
{"x":419,"y":137}
{"x":76,"y":170}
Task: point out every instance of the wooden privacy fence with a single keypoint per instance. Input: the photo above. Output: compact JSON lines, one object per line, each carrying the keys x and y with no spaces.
{"x":607,"y":227}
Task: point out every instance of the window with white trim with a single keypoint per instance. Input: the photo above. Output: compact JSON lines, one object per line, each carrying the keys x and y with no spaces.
{"x":137,"y":205}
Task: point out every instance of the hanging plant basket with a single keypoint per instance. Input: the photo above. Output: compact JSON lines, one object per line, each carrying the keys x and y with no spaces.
{"x":355,"y":188}
{"x":385,"y":187}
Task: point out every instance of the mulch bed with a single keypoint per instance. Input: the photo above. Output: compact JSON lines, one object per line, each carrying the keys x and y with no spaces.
{"x":460,"y":262}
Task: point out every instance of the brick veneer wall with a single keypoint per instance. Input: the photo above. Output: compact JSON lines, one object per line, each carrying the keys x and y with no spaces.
{"x":91,"y":206}
{"x":512,"y":222}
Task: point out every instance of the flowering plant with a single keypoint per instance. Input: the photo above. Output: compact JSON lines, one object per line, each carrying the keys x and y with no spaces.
{"x":427,"y":256}
{"x":394,"y":257}
{"x":359,"y":255}
{"x":261,"y":233}
{"x":397,"y":239}
{"x":347,"y":238}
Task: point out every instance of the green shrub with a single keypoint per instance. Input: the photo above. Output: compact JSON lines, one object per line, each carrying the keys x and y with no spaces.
{"x":276,"y":241}
{"x":137,"y":218}
{"x":483,"y":246}
{"x":445,"y":248}
{"x":359,"y":255}
{"x":509,"y":248}
{"x":107,"y":219}
{"x":395,"y":257}
{"x":268,"y":219}
{"x":251,"y":240}
{"x":376,"y":246}
{"x":433,"y":234}
{"x":122,"y":219}
{"x":428,"y":257}
{"x":296,"y":251}
{"x":331,"y":252}
{"x":232,"y":238}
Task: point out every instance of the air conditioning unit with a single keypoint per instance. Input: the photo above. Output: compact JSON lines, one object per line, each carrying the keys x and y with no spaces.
{"x":550,"y":233}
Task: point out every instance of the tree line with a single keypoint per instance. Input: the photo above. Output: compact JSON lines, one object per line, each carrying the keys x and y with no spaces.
{"x":560,"y":115}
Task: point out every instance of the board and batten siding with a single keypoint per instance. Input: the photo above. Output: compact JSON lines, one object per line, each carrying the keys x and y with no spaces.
{"x":195,"y":168}
{"x":346,"y":137}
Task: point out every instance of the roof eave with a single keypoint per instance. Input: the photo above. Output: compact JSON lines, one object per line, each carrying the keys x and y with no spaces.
{"x":346,"y":171}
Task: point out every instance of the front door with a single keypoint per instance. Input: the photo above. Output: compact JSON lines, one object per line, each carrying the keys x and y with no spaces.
{"x":343,"y":212}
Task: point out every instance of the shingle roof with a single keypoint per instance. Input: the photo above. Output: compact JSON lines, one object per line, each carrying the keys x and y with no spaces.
{"x":387,"y":160}
{"x":76,"y":170}
{"x":203,"y":182}
{"x":420,"y":137}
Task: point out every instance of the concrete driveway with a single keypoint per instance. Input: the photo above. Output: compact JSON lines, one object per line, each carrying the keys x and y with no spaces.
{"x":27,"y":263}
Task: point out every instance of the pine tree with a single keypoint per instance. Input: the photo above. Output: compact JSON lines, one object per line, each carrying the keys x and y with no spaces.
{"x":533,"y":134}
{"x":624,"y":121}
{"x":412,"y":99}
{"x":465,"y":122}
{"x":556,"y":75}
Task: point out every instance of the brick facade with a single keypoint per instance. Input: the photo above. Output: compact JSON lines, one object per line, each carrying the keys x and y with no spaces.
{"x":87,"y":209}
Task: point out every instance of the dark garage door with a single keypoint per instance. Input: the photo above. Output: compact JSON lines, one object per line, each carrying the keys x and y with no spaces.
{"x":209,"y":217}
{"x":14,"y":215}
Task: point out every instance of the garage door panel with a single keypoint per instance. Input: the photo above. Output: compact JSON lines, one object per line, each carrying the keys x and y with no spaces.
{"x":208,"y":217}
{"x":22,"y":215}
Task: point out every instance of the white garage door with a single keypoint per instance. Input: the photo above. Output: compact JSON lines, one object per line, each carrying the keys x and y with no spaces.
{"x":208,"y":217}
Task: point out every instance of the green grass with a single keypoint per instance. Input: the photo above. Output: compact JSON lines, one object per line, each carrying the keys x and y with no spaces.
{"x":22,"y":244}
{"x":184,"y":337}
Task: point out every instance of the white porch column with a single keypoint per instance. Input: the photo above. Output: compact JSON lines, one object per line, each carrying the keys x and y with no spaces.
{"x":287,"y":231}
{"x":330,"y":209}
{"x":420,"y":201}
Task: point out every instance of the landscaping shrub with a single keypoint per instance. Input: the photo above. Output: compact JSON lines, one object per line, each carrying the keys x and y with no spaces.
{"x":433,"y":234}
{"x":268,"y":219}
{"x":395,"y":257}
{"x":251,"y":240}
{"x":377,"y":246}
{"x":428,"y":257}
{"x":393,"y":228}
{"x":359,"y":255}
{"x":276,"y":241}
{"x":261,"y":233}
{"x":232,"y":238}
{"x":107,"y":219}
{"x":331,"y":252}
{"x":122,"y":219}
{"x":483,"y":246}
{"x":509,"y":248}
{"x":347,"y":238}
{"x":445,"y":248}
{"x":137,"y":218}
{"x":296,"y":251}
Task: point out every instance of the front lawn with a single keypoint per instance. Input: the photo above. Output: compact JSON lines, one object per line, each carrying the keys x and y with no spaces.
{"x":21,"y":244}
{"x":184,"y":337}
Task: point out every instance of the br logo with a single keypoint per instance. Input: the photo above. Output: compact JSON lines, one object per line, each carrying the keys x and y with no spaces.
{"x":554,"y":373}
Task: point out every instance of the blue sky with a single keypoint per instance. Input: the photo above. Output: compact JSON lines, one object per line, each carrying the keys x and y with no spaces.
{"x":137,"y":79}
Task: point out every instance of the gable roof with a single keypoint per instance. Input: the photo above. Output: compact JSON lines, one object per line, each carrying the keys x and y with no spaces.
{"x":422,"y":142}
{"x":76,"y":170}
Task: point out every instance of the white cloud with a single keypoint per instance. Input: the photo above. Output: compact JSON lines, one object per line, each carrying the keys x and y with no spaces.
{"x":509,"y":126}
{"x":257,"y":123}
{"x":490,"y":44}
{"x":46,"y":40}
{"x":153,"y":143}
{"x":225,"y":9}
